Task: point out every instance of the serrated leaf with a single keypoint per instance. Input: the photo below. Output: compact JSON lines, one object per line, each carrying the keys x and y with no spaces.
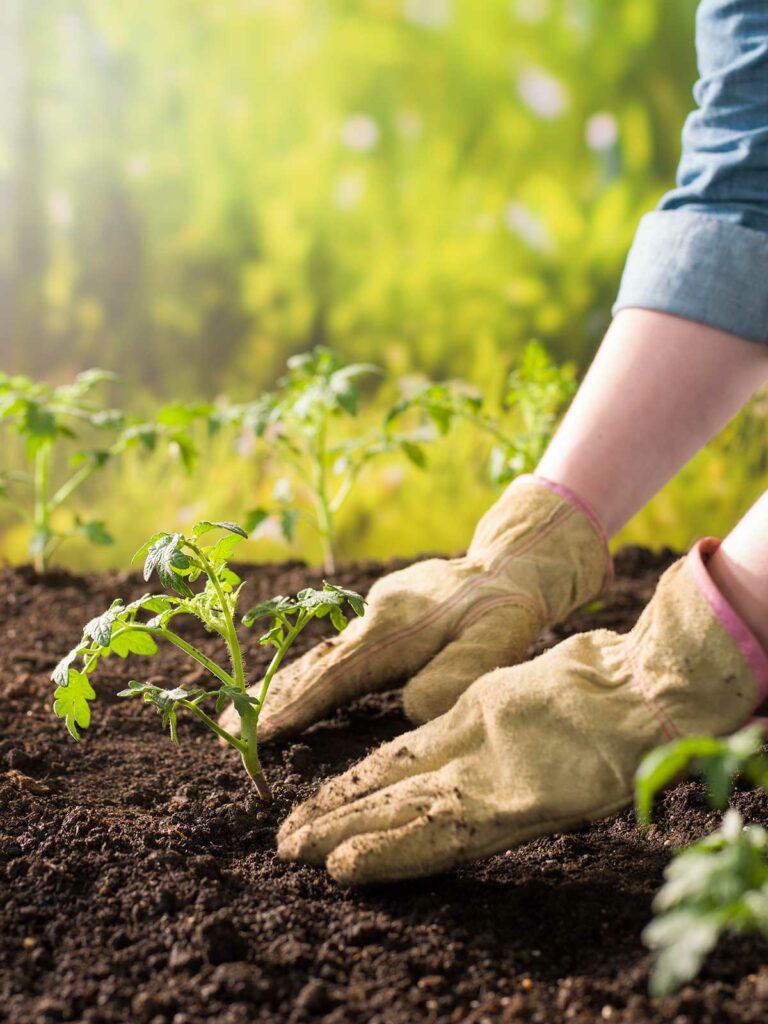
{"x":224,"y":548}
{"x":133,"y":642}
{"x":165,"y":558}
{"x":275,"y":606}
{"x":60,"y":674}
{"x":71,"y":702}
{"x":100,"y":628}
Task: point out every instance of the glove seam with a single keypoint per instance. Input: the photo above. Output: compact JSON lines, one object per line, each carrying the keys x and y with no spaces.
{"x":489,"y":603}
{"x":662,"y":717}
{"x":494,"y":570}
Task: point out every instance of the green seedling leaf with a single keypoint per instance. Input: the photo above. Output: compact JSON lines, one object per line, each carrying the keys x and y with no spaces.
{"x":276,"y":606}
{"x":166,"y":559}
{"x":225,"y":547}
{"x":71,"y":702}
{"x":717,"y":759}
{"x":134,"y":641}
{"x":99,"y":629}
{"x":254,"y":519}
{"x":60,"y":674}
{"x":717,"y":885}
{"x":205,"y":525}
{"x":95,"y":530}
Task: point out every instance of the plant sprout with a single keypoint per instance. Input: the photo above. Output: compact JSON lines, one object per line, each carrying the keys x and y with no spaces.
{"x":298,"y":421}
{"x":720,"y":883}
{"x":179,"y":561}
{"x":46,"y":418}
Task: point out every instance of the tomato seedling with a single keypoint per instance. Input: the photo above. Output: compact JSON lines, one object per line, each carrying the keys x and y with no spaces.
{"x":179,"y":561}
{"x":47,"y":418}
{"x":719,"y":884}
{"x":298,"y":424}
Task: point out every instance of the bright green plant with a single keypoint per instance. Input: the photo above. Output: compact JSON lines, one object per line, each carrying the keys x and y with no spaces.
{"x":298,"y":422}
{"x":51,"y":419}
{"x":720,"y":883}
{"x":538,"y":390}
{"x":179,"y":561}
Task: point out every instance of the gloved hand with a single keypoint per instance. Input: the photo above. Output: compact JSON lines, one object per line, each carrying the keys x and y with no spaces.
{"x":542,"y":747}
{"x":536,"y":554}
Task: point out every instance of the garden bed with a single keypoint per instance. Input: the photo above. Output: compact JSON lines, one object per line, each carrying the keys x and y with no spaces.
{"x":139,"y":883}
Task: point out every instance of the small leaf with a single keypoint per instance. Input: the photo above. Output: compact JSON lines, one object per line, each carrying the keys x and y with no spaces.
{"x":71,"y":702}
{"x":95,"y":530}
{"x":205,"y":525}
{"x":99,"y":629}
{"x":133,"y":642}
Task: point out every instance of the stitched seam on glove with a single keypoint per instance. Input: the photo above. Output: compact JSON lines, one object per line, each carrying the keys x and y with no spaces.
{"x":518,"y":600}
{"x":495,"y":570}
{"x":663,"y":719}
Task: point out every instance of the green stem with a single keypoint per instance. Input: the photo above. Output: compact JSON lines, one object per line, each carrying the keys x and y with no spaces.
{"x":230,"y":633}
{"x":214,"y":726}
{"x":325,"y":515}
{"x":250,"y":758}
{"x":183,"y":645}
{"x":68,"y":489}
{"x":42,"y":508}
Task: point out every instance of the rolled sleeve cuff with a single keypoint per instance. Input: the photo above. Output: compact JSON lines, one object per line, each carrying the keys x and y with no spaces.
{"x":701,"y":267}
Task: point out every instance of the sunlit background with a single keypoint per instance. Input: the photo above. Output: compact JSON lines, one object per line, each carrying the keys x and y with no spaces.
{"x":191,"y":191}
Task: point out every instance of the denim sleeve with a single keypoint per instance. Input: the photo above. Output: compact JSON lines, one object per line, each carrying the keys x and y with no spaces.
{"x":703,"y":253}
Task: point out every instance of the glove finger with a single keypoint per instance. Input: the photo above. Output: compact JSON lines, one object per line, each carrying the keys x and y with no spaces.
{"x":423,"y":750}
{"x":496,"y":636}
{"x":431,"y":843}
{"x":386,"y":809}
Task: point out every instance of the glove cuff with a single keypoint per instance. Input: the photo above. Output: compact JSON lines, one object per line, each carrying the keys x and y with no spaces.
{"x":743,"y":636}
{"x":586,"y":510}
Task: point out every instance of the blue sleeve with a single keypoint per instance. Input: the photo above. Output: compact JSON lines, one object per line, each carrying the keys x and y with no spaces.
{"x":703,"y":254}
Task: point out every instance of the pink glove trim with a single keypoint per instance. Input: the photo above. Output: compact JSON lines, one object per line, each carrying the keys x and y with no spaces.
{"x":741,"y":633}
{"x":568,"y":495}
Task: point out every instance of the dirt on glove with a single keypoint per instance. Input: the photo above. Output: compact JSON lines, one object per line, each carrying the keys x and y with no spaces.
{"x":139,"y":883}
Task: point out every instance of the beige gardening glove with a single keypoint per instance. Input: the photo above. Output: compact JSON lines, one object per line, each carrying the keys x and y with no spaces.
{"x":542,"y":747}
{"x":535,"y":555}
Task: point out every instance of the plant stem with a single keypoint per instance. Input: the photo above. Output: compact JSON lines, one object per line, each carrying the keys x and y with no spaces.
{"x":183,"y":645}
{"x":230,"y":635}
{"x":250,"y":758}
{"x":68,"y":489}
{"x":239,"y":745}
{"x":325,"y":515}
{"x":42,"y":510}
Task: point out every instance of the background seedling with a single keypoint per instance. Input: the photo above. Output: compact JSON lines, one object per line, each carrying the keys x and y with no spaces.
{"x":51,"y":419}
{"x":298,"y":423}
{"x":720,"y":883}
{"x":179,"y":561}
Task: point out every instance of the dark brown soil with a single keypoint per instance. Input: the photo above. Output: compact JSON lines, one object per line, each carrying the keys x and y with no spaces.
{"x":138,"y":883}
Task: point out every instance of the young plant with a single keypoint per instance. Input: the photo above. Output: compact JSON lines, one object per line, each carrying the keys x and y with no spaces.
{"x":537,"y":393}
{"x":50,"y":418}
{"x":715,"y":886}
{"x":720,"y":883}
{"x":179,"y":562}
{"x":298,"y":422}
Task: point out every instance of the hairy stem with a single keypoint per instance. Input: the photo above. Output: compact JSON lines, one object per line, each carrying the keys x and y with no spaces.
{"x":250,"y":758}
{"x":230,"y":632}
{"x":239,"y":745}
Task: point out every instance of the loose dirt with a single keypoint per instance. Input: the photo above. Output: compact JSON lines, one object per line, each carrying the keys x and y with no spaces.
{"x":139,"y":883}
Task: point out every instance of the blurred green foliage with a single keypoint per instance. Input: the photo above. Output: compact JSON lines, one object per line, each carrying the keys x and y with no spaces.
{"x":190,"y":192}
